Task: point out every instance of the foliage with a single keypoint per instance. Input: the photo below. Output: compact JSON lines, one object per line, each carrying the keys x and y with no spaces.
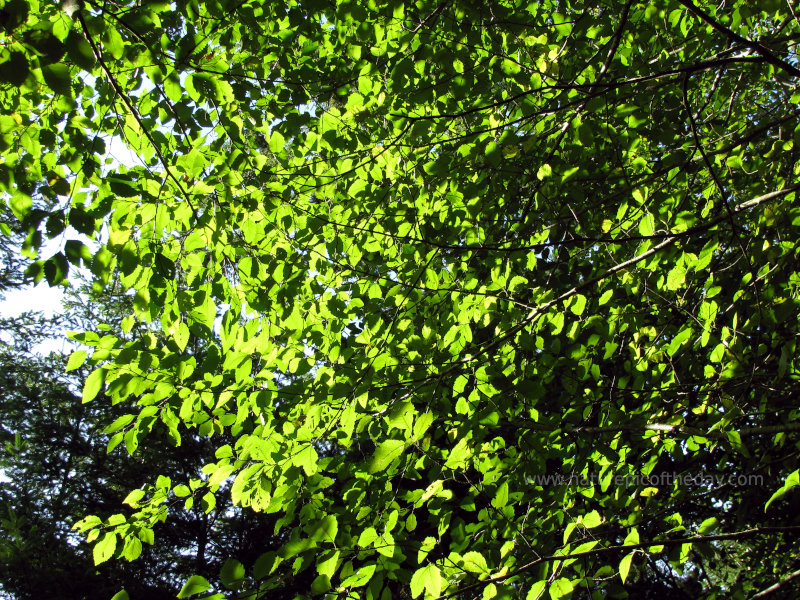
{"x":435,"y":252}
{"x":56,"y":469}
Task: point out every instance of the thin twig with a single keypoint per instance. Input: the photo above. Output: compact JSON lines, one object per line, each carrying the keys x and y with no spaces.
{"x":738,"y":535}
{"x":756,"y":47}
{"x":132,"y":109}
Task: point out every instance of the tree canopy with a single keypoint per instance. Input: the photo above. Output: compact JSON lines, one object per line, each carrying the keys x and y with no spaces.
{"x":56,"y":470}
{"x":477,"y":299}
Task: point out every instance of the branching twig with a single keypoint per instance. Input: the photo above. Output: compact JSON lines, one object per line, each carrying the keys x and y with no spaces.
{"x":737,"y":535}
{"x":756,"y":47}
{"x":132,"y":109}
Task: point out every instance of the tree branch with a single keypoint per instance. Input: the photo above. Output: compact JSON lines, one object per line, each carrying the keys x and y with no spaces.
{"x":737,"y":535}
{"x":756,"y":47}
{"x":132,"y":109}
{"x":775,"y":587}
{"x":676,"y":429}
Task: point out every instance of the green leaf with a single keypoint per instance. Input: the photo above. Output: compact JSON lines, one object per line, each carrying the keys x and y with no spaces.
{"x":119,"y":423}
{"x":734,"y":161}
{"x":474,"y":562}
{"x":276,"y":141}
{"x":676,"y":278}
{"x":264,"y":565}
{"x":181,"y":336}
{"x":113,"y":43}
{"x":306,"y":458}
{"x":121,"y":595}
{"x":196,"y":584}
{"x":568,"y":530}
{"x":328,"y":529}
{"x":432,"y":490}
{"x":360,"y":578}
{"x":76,"y":360}
{"x":678,"y":341}
{"x":411,"y":522}
{"x":578,"y":304}
{"x":510,"y":67}
{"x":647,"y":226}
{"x":560,"y":588}
{"x":79,"y":51}
{"x":132,"y":549}
{"x":327,"y":563}
{"x":387,"y":452}
{"x":104,"y":548}
{"x":708,"y":525}
{"x":94,"y":383}
{"x":15,"y":69}
{"x":793,"y":480}
{"x":493,"y":153}
{"x":232,"y":574}
{"x":585,"y":134}
{"x":501,"y":496}
{"x":632,"y":538}
{"x":13,"y":14}
{"x":367,"y":537}
{"x":625,"y":566}
{"x":544,"y":171}
{"x":56,"y":269}
{"x":427,"y":579}
{"x":58,"y":77}
{"x":591,"y":520}
{"x":537,"y":590}
{"x":489,"y":592}
{"x":133,"y":497}
{"x":459,"y":455}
